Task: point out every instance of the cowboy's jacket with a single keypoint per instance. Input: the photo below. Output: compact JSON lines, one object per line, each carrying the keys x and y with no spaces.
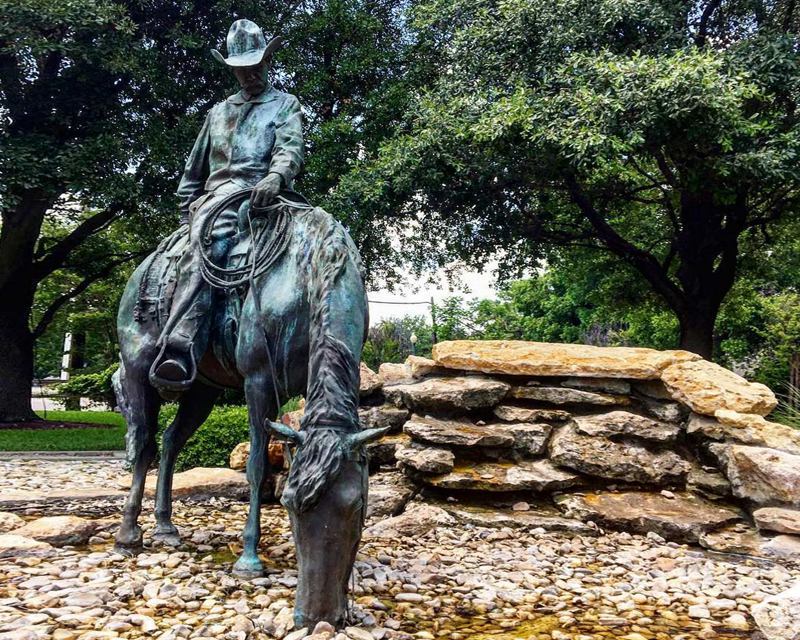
{"x":242,"y":140}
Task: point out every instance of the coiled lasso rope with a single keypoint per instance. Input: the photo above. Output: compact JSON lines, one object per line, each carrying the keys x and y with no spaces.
{"x":268,"y":241}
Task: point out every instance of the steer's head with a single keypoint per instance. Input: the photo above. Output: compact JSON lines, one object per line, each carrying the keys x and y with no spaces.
{"x":326,"y":497}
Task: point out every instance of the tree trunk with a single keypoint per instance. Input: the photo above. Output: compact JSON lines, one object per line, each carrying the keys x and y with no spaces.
{"x":697,"y":331}
{"x":20,"y":230}
{"x":16,"y":366}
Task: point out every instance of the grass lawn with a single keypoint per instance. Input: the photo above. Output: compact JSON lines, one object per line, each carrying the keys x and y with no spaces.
{"x":90,"y":439}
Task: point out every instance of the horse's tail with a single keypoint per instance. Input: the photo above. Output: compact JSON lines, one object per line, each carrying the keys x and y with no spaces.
{"x":133,"y":437}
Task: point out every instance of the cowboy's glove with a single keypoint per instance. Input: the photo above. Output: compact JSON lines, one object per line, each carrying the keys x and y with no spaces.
{"x":266,"y":190}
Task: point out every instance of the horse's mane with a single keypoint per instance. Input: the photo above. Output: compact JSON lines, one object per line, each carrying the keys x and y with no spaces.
{"x":333,"y":373}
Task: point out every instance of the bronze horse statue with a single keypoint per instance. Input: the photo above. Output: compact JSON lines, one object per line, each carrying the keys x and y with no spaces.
{"x":298,"y":330}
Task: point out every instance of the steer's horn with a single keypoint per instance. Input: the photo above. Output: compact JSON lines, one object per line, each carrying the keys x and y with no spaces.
{"x":368,"y":435}
{"x":287,"y":433}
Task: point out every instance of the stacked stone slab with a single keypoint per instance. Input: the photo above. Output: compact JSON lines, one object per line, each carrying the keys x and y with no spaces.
{"x":629,"y":438}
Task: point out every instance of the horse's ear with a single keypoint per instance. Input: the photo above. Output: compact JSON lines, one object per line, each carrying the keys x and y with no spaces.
{"x":362,"y":437}
{"x":287,"y":433}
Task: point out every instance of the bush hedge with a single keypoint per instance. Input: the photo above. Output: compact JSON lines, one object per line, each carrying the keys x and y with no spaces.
{"x":213,"y":442}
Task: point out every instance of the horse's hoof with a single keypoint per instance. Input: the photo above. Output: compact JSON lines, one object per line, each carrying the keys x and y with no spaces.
{"x":127,"y":550}
{"x":167,"y":539}
{"x":128,"y":542}
{"x":248,"y":567}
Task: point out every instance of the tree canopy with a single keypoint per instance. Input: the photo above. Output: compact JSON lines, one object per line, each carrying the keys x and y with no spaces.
{"x":100,"y":101}
{"x":663,"y":133}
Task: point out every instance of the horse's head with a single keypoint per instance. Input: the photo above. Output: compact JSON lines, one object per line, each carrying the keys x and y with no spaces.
{"x":326,"y":497}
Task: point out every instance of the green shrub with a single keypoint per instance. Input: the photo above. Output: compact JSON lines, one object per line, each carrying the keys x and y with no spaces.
{"x":213,"y":442}
{"x":95,"y":386}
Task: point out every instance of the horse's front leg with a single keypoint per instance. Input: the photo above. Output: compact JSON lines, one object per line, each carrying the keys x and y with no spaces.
{"x":194,"y":407}
{"x":260,"y":406}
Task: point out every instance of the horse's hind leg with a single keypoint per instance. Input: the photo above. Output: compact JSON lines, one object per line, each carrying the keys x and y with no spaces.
{"x":260,"y":406}
{"x":194,"y":407}
{"x":140,"y":404}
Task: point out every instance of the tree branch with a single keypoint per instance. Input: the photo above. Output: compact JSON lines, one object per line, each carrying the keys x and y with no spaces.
{"x":58,"y":254}
{"x":644,"y":262}
{"x":702,"y":31}
{"x":83,"y":285}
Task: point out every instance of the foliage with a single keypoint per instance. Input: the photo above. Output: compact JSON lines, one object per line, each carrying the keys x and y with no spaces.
{"x":211,"y":445}
{"x":788,"y":411}
{"x":95,"y":386}
{"x":100,"y":101}
{"x":661,"y":133}
{"x":213,"y":442}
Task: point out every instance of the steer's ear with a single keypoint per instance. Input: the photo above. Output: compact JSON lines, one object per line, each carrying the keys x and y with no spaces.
{"x":362,"y":437}
{"x":287,"y":433}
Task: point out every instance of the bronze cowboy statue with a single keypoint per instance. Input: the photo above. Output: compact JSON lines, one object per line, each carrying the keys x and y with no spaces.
{"x":254,"y":140}
{"x":258,"y":289}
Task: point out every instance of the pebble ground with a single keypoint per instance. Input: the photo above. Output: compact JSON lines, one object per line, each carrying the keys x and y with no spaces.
{"x":461,"y":583}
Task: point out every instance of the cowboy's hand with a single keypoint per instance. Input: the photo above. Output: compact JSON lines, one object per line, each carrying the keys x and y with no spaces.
{"x":266,"y":190}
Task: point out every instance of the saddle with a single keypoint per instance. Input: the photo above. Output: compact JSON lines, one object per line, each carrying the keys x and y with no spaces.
{"x":256,"y":247}
{"x":157,"y":291}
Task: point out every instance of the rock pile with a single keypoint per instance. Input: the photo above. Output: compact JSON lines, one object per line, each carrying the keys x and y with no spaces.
{"x":632,"y":439}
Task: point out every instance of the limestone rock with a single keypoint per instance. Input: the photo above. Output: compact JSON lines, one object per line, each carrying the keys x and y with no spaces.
{"x":766,"y":476}
{"x":778,"y":616}
{"x":381,"y":417}
{"x":530,"y":439}
{"x":528,"y":475}
{"x":624,"y":423}
{"x":382,"y":451}
{"x":456,"y":433}
{"x":492,"y":517}
{"x":777,"y":519}
{"x":426,"y":459}
{"x":511,"y":413}
{"x":746,"y":428}
{"x":782,"y":546}
{"x":663,"y":410}
{"x":735,"y":538}
{"x":706,"y":387}
{"x":59,"y":530}
{"x":389,"y":492}
{"x":415,"y":521}
{"x":464,"y":393}
{"x":205,"y":482}
{"x":601,"y":385}
{"x":423,"y":367}
{"x":564,"y":395}
{"x":606,"y":458}
{"x":239,"y":456}
{"x":517,"y":357}
{"x":708,"y":480}
{"x":654,"y":389}
{"x":9,"y":521}
{"x":16,"y":546}
{"x":394,"y":373}
{"x":370,"y":382}
{"x":682,"y":518}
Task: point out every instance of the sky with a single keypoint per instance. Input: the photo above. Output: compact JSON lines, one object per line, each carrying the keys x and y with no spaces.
{"x":472,"y":285}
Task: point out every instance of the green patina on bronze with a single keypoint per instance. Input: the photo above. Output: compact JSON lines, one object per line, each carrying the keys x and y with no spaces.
{"x":260,"y":290}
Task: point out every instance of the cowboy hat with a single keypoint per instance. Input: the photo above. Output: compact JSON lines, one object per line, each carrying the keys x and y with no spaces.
{"x":246,"y":45}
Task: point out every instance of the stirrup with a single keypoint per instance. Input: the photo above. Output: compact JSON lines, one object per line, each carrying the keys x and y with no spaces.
{"x":172,"y":386}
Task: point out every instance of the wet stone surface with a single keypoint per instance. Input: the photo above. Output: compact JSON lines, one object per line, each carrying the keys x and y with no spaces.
{"x":460,"y":581}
